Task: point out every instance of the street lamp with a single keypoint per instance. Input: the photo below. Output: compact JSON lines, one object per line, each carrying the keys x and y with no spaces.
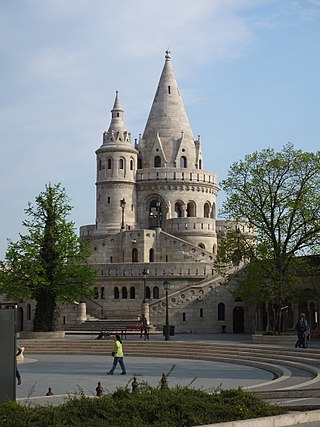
{"x":166,"y":286}
{"x":145,"y":274}
{"x":122,"y":205}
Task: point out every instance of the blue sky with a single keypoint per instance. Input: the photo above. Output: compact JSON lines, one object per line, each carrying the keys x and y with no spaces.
{"x":248,"y":71}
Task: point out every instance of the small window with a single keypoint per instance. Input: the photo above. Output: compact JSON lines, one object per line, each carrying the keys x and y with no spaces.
{"x":29,"y":311}
{"x":116,"y":293}
{"x":96,"y":293}
{"x":206,"y":210}
{"x":124,"y":292}
{"x":132,"y":292}
{"x":156,"y":292}
{"x":108,"y":200}
{"x":121,"y":164}
{"x":201,"y":312}
{"x":135,"y":255}
{"x":157,"y":162}
{"x":131,"y":165}
{"x":102,"y":292}
{"x":151,"y":255}
{"x":100,"y":165}
{"x":169,"y":90}
{"x":178,"y":210}
{"x":109,"y":163}
{"x":221,"y":311}
{"x":183,"y":162}
{"x":184,"y":317}
{"x":139,"y":163}
{"x":148,"y":292}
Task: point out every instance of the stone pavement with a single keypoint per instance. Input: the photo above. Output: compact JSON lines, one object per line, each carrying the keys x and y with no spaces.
{"x":72,"y":374}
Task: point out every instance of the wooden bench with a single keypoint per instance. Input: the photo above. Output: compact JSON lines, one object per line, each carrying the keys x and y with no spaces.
{"x":135,"y":330}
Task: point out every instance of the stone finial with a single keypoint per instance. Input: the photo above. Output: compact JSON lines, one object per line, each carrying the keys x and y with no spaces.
{"x":168,"y":55}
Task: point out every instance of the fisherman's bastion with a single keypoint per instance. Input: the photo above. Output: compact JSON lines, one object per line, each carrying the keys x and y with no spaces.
{"x":156,"y":231}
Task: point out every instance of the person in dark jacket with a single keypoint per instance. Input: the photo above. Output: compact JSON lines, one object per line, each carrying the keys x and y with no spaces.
{"x":303,"y":329}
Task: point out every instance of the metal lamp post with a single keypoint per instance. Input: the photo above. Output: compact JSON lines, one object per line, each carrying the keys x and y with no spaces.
{"x":145,"y":274}
{"x":166,"y":286}
{"x":122,"y":205}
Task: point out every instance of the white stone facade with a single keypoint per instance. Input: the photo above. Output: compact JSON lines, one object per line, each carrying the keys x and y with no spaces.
{"x":156,"y":211}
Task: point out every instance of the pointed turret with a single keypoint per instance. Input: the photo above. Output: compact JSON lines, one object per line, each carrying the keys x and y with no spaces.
{"x":116,"y":132}
{"x":168,"y":121}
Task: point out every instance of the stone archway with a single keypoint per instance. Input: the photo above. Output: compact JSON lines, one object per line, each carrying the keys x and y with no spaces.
{"x":238,"y":320}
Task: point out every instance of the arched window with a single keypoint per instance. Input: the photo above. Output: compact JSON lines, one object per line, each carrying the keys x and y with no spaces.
{"x":178,"y":210}
{"x":132,"y":292}
{"x":202,"y":245}
{"x":28,"y":311}
{"x":206,"y":210}
{"x":139,"y":163}
{"x":102,"y":292}
{"x":213,"y":211}
{"x":200,"y":164}
{"x":151,"y":255}
{"x":109,"y":163}
{"x":96,"y":293}
{"x":155,"y":214}
{"x":148,"y":292}
{"x":135,"y":255}
{"x":131,"y":165}
{"x":121,"y":164}
{"x":157,"y":162}
{"x":183,"y":162}
{"x":156,"y":292}
{"x":221,"y":311}
{"x":116,"y":293}
{"x":191,"y":209}
{"x":124,"y":292}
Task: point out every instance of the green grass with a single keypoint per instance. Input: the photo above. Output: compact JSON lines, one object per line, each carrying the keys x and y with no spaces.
{"x":170,"y":407}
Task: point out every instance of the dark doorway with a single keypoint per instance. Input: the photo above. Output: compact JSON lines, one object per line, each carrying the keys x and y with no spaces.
{"x":238,"y":320}
{"x":20,"y":319}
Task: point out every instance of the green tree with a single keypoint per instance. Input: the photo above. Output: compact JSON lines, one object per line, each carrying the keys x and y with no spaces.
{"x":277,"y":194}
{"x":49,"y":263}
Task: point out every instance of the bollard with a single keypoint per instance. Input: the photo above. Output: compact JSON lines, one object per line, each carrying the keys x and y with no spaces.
{"x":99,"y":389}
{"x":134,"y":385}
{"x":163,"y":382}
{"x":49,"y":392}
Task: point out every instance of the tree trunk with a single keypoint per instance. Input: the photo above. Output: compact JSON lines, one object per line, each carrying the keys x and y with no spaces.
{"x":44,"y":318}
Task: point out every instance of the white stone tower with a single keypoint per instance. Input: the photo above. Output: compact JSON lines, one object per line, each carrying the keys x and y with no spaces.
{"x":116,"y":169}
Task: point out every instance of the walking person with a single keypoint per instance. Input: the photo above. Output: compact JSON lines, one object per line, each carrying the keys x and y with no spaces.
{"x":18,"y":376}
{"x":303,"y":330}
{"x":117,"y":356}
{"x":144,"y":327}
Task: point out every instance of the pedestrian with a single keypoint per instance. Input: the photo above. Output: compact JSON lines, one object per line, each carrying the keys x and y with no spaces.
{"x":144,"y":327}
{"x":18,"y":376}
{"x":117,"y":356}
{"x":303,"y":330}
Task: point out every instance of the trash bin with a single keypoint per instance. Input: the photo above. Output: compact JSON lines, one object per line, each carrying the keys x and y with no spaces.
{"x":171,"y":330}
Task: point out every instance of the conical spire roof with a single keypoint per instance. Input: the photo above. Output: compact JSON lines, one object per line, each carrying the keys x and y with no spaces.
{"x":117,"y":131}
{"x":167,"y":115}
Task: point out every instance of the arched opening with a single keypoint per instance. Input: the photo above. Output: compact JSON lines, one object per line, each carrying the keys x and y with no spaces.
{"x":206,"y":210}
{"x":148,"y":292}
{"x":151,"y":255}
{"x":183,"y":162}
{"x":28,"y":311}
{"x":221,"y":311}
{"x":132,"y":292}
{"x":157,"y":162}
{"x":121,"y":164}
{"x":109,"y":164}
{"x":213,"y":211}
{"x":135,"y":255}
{"x":156,"y":292}
{"x":155,"y":214}
{"x":238,"y":320}
{"x":124,"y":292}
{"x":200,"y":164}
{"x":96,"y":293}
{"x":178,"y":210}
{"x":131,"y":165}
{"x":139,"y":166}
{"x":191,"y":209}
{"x":102,"y":292}
{"x":202,"y":245}
{"x":116,"y":293}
